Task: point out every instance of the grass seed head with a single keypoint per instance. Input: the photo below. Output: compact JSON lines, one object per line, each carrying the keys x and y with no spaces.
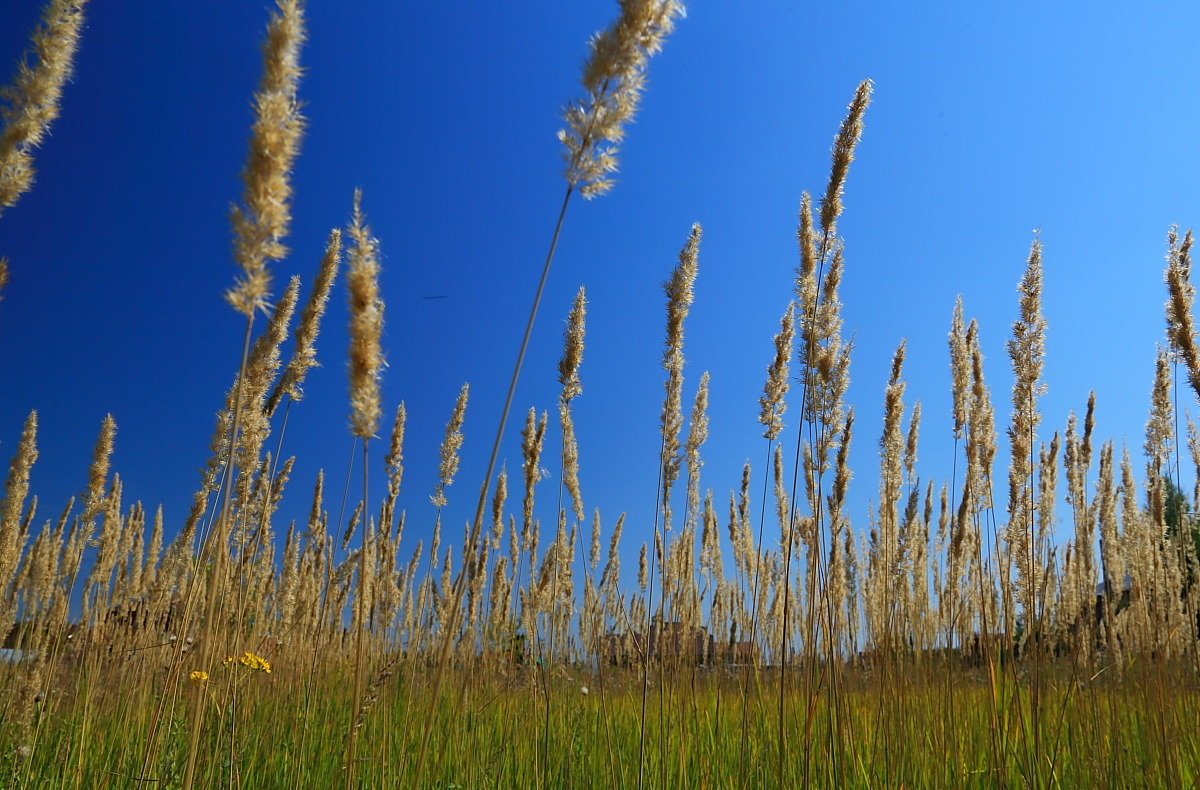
{"x":30,"y":104}
{"x":366,"y":326}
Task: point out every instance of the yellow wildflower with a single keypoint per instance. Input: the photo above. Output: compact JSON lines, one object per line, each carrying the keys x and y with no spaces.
{"x":198,"y":676}
{"x":250,"y":661}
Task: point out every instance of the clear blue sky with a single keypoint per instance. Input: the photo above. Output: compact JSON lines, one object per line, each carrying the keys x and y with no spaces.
{"x":989,"y":120}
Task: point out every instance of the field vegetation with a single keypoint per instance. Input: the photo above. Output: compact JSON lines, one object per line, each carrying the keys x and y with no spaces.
{"x":774,"y":639}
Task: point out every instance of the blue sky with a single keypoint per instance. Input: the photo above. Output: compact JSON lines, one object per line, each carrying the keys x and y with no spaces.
{"x":989,"y":120}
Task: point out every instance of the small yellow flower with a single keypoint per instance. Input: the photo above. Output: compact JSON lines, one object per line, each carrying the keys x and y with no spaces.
{"x":250,"y":661}
{"x":198,"y":676}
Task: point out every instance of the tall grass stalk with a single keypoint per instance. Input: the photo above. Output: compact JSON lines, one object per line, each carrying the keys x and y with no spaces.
{"x":818,"y":337}
{"x":679,"y":292}
{"x":613,"y":78}
{"x":366,"y":364}
{"x":260,"y":224}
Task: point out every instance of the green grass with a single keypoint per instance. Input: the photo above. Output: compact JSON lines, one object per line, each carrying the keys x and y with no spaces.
{"x":908,"y":727}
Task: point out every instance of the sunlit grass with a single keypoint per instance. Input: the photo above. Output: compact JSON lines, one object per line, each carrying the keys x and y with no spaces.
{"x":933,"y":730}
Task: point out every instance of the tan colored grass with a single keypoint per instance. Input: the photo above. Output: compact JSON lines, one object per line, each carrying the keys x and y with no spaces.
{"x":31,"y":102}
{"x":262,"y":219}
{"x":304,"y":353}
{"x":366,"y":326}
{"x":613,"y":78}
{"x":12,"y":538}
{"x":1027,"y":350}
{"x":864,"y":583}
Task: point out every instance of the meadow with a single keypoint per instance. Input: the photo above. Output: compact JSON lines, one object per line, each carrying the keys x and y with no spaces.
{"x":779,"y":638}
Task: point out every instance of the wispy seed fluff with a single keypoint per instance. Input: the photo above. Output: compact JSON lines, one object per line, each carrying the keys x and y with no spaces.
{"x":498,"y":500}
{"x":1181,"y":329}
{"x":1193,"y":443}
{"x":613,"y":78}
{"x":30,"y":104}
{"x":981,"y":435}
{"x":366,"y":326}
{"x":394,"y":464}
{"x":304,"y":355}
{"x":960,"y":368}
{"x":262,"y":365}
{"x":710,"y":542}
{"x":451,"y":444}
{"x":680,"y":293}
{"x":572,"y":358}
{"x":1160,"y":438}
{"x":697,"y":436}
{"x":843,"y":155}
{"x":568,"y":377}
{"x":262,"y":220}
{"x":16,"y":489}
{"x":772,"y":403}
{"x":806,"y":272}
{"x":594,"y":548}
{"x":891,"y":478}
{"x":612,"y":567}
{"x":643,"y":569}
{"x":532,"y":438}
{"x":93,"y":501}
{"x":1027,"y":349}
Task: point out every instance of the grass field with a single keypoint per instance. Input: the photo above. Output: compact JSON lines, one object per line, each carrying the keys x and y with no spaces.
{"x":929,"y":726}
{"x":940,"y":640}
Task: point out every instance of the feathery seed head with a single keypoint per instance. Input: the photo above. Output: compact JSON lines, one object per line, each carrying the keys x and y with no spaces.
{"x":697,"y":436}
{"x":262,"y":364}
{"x":30,"y":104}
{"x":568,"y":377}
{"x":679,"y":291}
{"x":568,"y":366}
{"x":910,"y":442}
{"x":16,"y":489}
{"x":1089,"y":424}
{"x":960,"y":368}
{"x":1181,"y":329}
{"x":772,"y":404}
{"x":1160,"y":428}
{"x":608,"y":579}
{"x":451,"y":444}
{"x":613,"y":78}
{"x":436,"y":544}
{"x":532,"y":437}
{"x":366,"y":326}
{"x":843,"y":155}
{"x":498,"y":507}
{"x":394,"y":463}
{"x":261,"y":222}
{"x":841,"y":481}
{"x":1027,"y":347}
{"x":594,"y":548}
{"x":98,"y":471}
{"x":570,"y":458}
{"x":304,"y":355}
{"x":806,"y":271}
{"x":643,"y":568}
{"x":893,"y":405}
